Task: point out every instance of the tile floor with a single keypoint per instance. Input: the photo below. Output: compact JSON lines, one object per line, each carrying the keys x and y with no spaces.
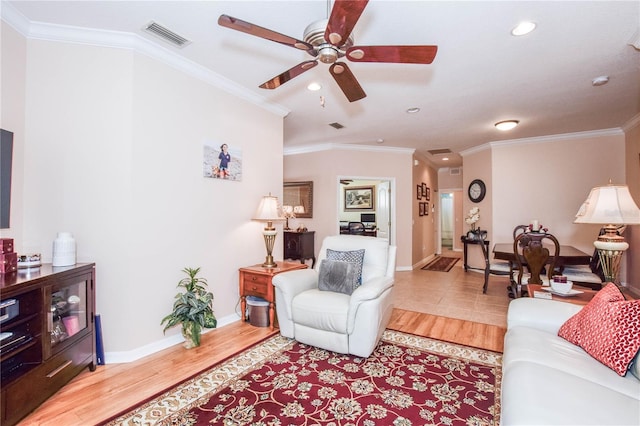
{"x":453,"y":294}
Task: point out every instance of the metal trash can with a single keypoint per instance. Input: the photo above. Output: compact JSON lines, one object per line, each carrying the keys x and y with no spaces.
{"x":258,"y":311}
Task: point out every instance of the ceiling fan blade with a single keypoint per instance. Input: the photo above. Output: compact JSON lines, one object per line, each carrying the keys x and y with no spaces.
{"x":344,"y":15}
{"x":393,"y":54}
{"x":347,"y":81}
{"x":281,"y":79}
{"x":255,"y":30}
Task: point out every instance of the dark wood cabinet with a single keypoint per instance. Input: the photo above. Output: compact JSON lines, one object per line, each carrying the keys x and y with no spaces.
{"x":300,"y":246}
{"x":48,"y":338}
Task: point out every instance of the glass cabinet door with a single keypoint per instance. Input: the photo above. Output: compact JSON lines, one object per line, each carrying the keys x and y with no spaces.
{"x":68,"y":314}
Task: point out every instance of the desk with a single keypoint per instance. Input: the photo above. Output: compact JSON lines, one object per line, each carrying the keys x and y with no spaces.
{"x":569,"y":255}
{"x":465,"y":242}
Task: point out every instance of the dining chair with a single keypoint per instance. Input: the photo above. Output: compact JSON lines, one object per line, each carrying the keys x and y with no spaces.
{"x":356,"y":228}
{"x":500,"y":268}
{"x":531,"y":253}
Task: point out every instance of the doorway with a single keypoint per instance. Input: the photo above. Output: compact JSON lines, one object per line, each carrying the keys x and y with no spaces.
{"x":380,"y":216}
{"x":447,"y":220}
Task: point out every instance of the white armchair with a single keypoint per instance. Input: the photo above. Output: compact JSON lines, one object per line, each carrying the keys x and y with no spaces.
{"x":336,"y":321}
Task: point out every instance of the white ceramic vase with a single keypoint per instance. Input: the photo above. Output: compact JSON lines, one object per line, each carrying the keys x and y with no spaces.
{"x":64,"y":250}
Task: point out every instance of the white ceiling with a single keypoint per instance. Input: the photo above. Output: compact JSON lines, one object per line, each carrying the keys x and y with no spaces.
{"x":481,"y":74}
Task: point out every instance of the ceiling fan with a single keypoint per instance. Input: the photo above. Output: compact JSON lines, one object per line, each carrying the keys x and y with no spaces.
{"x":328,"y":41}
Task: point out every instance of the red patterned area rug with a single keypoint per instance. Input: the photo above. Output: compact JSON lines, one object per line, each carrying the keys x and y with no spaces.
{"x":408,"y":380}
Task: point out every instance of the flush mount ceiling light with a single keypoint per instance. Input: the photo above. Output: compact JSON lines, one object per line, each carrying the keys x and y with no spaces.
{"x":413,"y":110}
{"x":523,"y":28}
{"x":506,"y":125}
{"x":314,"y":87}
{"x":600,"y":81}
{"x":380,"y":140}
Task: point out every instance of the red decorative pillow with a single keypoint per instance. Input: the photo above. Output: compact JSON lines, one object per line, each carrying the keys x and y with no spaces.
{"x":608,"y":328}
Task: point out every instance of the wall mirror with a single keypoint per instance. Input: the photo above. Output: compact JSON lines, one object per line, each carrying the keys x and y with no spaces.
{"x":299,"y":194}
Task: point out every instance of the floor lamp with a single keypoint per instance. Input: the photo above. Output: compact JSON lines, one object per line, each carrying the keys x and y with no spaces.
{"x":268,"y":211}
{"x":610,"y":205}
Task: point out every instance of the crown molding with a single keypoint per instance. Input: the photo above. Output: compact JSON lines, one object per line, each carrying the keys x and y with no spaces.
{"x":345,"y":147}
{"x":125,"y":40}
{"x":617,"y":131}
{"x":634,"y":122}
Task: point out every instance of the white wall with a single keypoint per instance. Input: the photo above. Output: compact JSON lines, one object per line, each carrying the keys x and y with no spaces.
{"x":113,"y":144}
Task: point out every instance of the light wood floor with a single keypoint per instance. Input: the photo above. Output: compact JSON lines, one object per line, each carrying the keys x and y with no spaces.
{"x":93,"y":397}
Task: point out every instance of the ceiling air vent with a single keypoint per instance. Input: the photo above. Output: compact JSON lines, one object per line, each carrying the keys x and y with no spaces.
{"x":439,"y":151}
{"x":166,"y":34}
{"x":336,"y":125}
{"x":454,"y":171}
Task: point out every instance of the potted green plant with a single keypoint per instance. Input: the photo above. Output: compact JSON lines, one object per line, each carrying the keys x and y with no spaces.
{"x":193,"y":308}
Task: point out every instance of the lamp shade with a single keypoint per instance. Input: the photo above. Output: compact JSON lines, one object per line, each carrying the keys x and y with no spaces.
{"x":610,"y":204}
{"x":268,"y":209}
{"x":287,"y":210}
{"x":298,"y":209}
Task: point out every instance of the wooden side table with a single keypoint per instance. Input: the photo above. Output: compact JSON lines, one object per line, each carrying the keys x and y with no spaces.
{"x":256,"y":281}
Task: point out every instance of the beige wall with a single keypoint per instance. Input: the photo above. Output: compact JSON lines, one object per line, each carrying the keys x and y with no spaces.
{"x":113,"y":147}
{"x":546,"y":179}
{"x":478,"y":165}
{"x":424,"y":244}
{"x":632,"y":234}
{"x":325,"y":167}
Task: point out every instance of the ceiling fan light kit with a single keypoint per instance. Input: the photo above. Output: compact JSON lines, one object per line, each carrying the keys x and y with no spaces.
{"x":328,"y":41}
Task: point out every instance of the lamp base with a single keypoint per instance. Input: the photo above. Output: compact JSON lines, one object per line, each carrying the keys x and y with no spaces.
{"x":269,"y":234}
{"x":610,"y":248}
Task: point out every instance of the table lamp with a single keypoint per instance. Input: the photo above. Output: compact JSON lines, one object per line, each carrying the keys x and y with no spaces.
{"x":268,"y":212}
{"x":610,"y":205}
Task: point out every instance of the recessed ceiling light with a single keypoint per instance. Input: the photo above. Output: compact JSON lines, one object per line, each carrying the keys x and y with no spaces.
{"x":314,"y":87}
{"x":445,"y":159}
{"x":506,"y":125}
{"x":523,"y":28}
{"x":599,"y":81}
{"x":380,"y":140}
{"x":413,"y":110}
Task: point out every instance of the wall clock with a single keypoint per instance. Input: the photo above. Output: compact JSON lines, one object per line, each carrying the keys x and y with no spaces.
{"x":477,"y":190}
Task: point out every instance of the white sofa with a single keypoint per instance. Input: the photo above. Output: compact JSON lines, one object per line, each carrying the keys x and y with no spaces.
{"x":549,"y":381}
{"x":349,"y":324}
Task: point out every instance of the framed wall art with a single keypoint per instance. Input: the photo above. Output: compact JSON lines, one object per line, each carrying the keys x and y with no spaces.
{"x":221,"y":161}
{"x":299,"y":194}
{"x":359,"y":198}
{"x":419,"y":192}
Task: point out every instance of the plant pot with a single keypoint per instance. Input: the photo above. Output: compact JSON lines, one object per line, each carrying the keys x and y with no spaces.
{"x":191,"y":333}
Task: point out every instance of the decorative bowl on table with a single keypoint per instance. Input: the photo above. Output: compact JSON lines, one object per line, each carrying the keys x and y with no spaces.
{"x":561,"y":287}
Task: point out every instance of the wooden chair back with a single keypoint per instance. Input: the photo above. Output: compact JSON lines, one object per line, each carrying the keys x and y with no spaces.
{"x":531,"y":250}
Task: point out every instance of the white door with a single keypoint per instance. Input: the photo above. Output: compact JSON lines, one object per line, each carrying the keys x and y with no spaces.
{"x":383,"y":210}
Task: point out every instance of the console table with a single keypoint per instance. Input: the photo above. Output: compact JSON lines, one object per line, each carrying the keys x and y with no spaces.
{"x":465,"y":242}
{"x":300,"y":246}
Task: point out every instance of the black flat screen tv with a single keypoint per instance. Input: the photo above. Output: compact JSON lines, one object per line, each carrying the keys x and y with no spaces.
{"x":368,"y":217}
{"x":6,"y":155}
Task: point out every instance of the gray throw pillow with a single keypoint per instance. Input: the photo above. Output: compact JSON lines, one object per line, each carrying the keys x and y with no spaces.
{"x":338,"y":276}
{"x":354,"y":256}
{"x":634,"y":367}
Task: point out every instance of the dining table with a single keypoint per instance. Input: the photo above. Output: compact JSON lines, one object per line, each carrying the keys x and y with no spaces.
{"x":569,"y":255}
